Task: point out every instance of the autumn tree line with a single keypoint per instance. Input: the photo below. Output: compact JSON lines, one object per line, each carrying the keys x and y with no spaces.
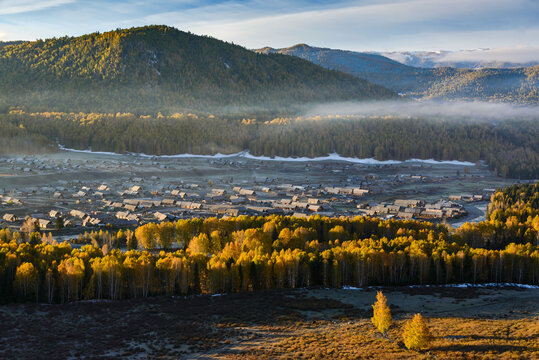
{"x":206,"y":256}
{"x":508,"y":147}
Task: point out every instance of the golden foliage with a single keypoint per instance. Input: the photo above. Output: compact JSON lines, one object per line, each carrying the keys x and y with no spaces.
{"x":416,"y":334}
{"x":381,"y":313}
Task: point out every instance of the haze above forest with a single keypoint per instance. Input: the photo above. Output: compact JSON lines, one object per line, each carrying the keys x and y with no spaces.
{"x":435,"y":109}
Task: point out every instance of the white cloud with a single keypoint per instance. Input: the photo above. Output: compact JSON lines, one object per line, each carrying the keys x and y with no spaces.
{"x":22,"y":6}
{"x":457,"y":40}
{"x":517,"y":54}
{"x":352,"y":25}
{"x":3,"y":36}
{"x":349,"y":24}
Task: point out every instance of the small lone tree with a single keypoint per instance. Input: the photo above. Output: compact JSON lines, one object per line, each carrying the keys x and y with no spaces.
{"x":59,"y":223}
{"x":416,"y":334}
{"x":381,"y":313}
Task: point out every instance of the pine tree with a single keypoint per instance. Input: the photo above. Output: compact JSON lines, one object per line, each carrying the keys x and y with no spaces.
{"x":381,"y":313}
{"x":59,"y":223}
{"x":416,"y":334}
{"x":131,"y":240}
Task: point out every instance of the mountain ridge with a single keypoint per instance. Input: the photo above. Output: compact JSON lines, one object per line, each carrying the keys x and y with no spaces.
{"x":164,"y":69}
{"x":517,"y":85}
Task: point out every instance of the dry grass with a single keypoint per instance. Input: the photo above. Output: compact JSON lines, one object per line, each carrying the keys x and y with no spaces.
{"x":456,"y":338}
{"x":300,"y":324}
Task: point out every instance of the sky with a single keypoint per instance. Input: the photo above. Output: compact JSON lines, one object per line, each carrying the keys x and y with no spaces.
{"x":363,"y":25}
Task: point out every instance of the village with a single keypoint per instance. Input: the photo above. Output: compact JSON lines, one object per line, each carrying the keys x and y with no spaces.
{"x":78,"y":191}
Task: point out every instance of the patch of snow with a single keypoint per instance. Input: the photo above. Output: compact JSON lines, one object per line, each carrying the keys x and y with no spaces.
{"x":152,"y":58}
{"x":332,"y":156}
{"x":459,"y":286}
{"x":445,"y":162}
{"x":468,"y":285}
{"x":89,"y":151}
{"x":246,"y":154}
{"x":351,"y":288}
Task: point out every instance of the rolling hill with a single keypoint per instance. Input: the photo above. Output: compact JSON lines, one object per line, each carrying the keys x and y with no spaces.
{"x":518,"y":85}
{"x":159,"y":68}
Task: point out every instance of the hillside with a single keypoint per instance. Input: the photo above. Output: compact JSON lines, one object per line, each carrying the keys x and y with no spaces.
{"x":159,"y":68}
{"x":7,"y":43}
{"x":375,"y":68}
{"x":518,"y":85}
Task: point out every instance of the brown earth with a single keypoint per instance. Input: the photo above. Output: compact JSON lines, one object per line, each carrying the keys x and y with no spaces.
{"x":484,"y":323}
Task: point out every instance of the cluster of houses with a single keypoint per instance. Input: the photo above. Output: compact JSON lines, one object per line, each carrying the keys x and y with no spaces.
{"x":133,"y":201}
{"x":195,"y":200}
{"x":9,"y":201}
{"x":126,"y":199}
{"x":42,"y":221}
{"x":31,"y":164}
{"x":414,"y":209}
{"x":473,"y":198}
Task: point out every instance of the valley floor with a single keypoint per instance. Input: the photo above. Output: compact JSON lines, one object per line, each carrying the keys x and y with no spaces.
{"x":483,"y":323}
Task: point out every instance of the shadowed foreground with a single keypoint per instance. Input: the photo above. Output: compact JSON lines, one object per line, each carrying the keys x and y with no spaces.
{"x":318,"y":323}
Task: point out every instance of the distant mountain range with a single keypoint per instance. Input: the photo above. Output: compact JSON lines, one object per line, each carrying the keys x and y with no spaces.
{"x":517,"y":85}
{"x":159,"y":68}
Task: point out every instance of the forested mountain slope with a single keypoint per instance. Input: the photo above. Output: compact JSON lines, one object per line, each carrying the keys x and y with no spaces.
{"x":159,"y":68}
{"x":518,"y":85}
{"x":7,"y":43}
{"x":377,"y":68}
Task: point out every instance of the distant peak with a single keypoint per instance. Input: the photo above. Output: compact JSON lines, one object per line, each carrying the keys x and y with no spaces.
{"x":266,"y":50}
{"x":293,"y":48}
{"x":302,"y":46}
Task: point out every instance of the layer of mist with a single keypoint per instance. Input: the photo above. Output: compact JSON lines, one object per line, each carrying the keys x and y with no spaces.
{"x":427,"y":109}
{"x":517,"y":56}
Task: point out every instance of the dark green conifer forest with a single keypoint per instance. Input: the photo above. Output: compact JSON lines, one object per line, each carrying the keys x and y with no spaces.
{"x":159,"y":68}
{"x":509,"y":148}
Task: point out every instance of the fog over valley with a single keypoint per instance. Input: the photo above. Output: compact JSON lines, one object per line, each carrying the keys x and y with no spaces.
{"x":428,"y":109}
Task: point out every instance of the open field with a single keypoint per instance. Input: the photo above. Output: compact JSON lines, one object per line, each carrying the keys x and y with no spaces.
{"x":467,"y":323}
